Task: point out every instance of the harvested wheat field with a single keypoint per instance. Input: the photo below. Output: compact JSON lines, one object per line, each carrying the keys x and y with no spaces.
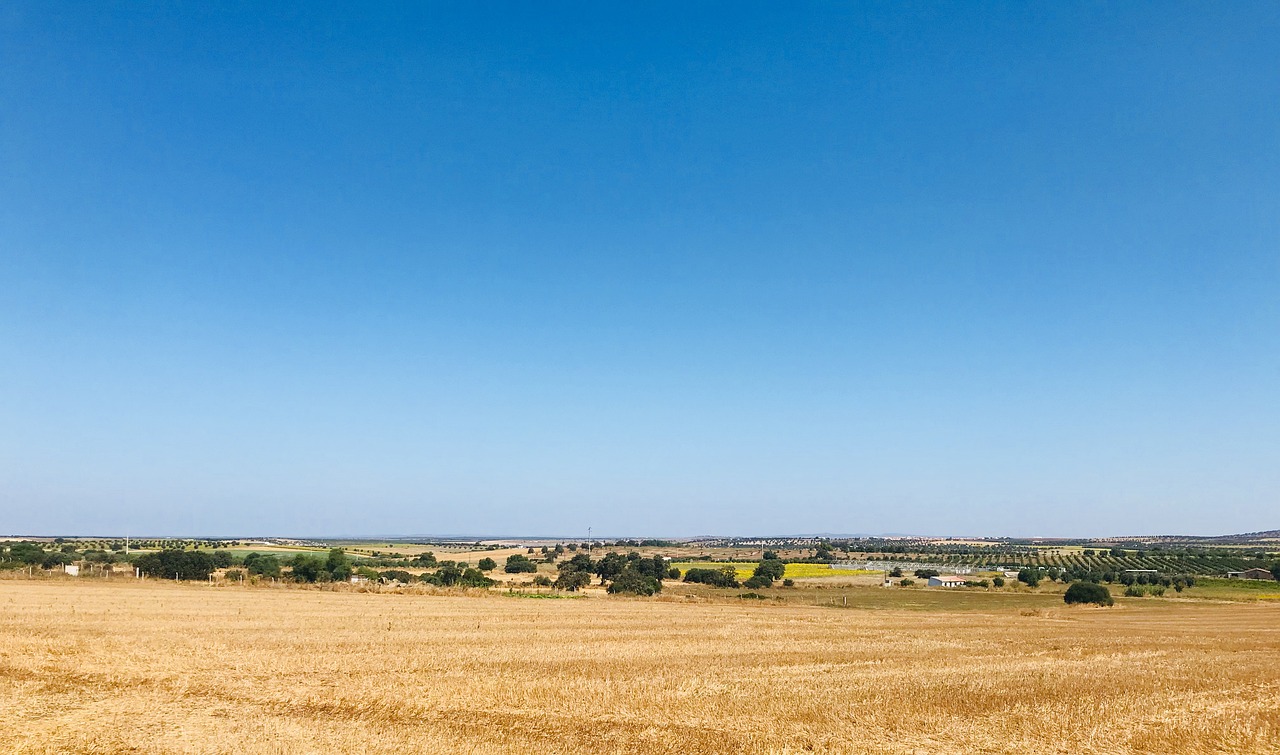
{"x":131,"y":667}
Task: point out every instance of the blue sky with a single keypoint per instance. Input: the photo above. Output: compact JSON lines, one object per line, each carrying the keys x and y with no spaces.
{"x":738,"y":268}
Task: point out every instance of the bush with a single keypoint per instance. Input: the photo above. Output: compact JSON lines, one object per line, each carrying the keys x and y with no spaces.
{"x":1134,"y":591}
{"x":542,"y":580}
{"x":487,"y":564}
{"x":998,"y":581}
{"x":788,"y":583}
{"x":1029,"y":577}
{"x":757,"y":581}
{"x":907,"y":582}
{"x":1088,"y":592}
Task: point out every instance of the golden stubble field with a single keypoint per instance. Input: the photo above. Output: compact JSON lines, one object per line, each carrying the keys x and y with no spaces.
{"x":156,"y":667}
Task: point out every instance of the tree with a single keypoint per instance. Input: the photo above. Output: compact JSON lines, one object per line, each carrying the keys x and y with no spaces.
{"x":725,"y":577}
{"x":176,"y":564}
{"x":26,"y":553}
{"x":263,"y":564}
{"x":1029,"y":577}
{"x":572,"y":580}
{"x":1088,"y":592}
{"x":338,"y":565}
{"x":632,"y":582}
{"x":308,"y":568}
{"x":771,"y":568}
{"x":487,"y":564}
{"x":926,"y":573}
{"x":449,"y":574}
{"x":1275,"y":571}
{"x":609,"y":567}
{"x":474,"y":578}
{"x":518,"y":564}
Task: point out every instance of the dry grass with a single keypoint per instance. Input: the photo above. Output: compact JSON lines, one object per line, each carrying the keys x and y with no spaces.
{"x":157,"y":667}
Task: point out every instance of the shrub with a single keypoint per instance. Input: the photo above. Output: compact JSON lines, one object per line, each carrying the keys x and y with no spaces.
{"x":788,"y":583}
{"x":1134,"y":591}
{"x":542,"y":580}
{"x":757,"y":581}
{"x":998,"y":581}
{"x":907,"y":582}
{"x":1088,"y":592}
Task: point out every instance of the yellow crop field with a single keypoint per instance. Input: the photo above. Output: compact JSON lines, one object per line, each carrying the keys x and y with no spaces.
{"x":159,"y":667}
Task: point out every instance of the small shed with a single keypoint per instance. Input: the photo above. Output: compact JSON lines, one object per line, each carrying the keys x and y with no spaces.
{"x":946,"y":580}
{"x":1251,"y":574}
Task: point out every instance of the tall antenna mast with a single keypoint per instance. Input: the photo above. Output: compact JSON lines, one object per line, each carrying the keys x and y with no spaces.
{"x":589,"y":542}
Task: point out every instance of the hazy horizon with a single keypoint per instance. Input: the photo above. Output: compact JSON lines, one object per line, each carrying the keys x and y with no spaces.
{"x":991,"y":268}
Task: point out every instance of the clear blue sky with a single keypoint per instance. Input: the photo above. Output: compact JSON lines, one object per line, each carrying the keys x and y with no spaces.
{"x":963,"y":268}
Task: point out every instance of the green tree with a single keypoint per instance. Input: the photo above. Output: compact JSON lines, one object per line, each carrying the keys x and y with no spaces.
{"x":770,"y":568}
{"x":609,"y":567}
{"x":630,"y":581}
{"x":518,"y":564}
{"x":487,"y":564}
{"x":572,"y":580}
{"x":723,"y":577}
{"x":474,"y":578}
{"x":176,"y":564}
{"x":265,"y":565}
{"x":1087,"y":592}
{"x":338,"y":565}
{"x":308,"y":568}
